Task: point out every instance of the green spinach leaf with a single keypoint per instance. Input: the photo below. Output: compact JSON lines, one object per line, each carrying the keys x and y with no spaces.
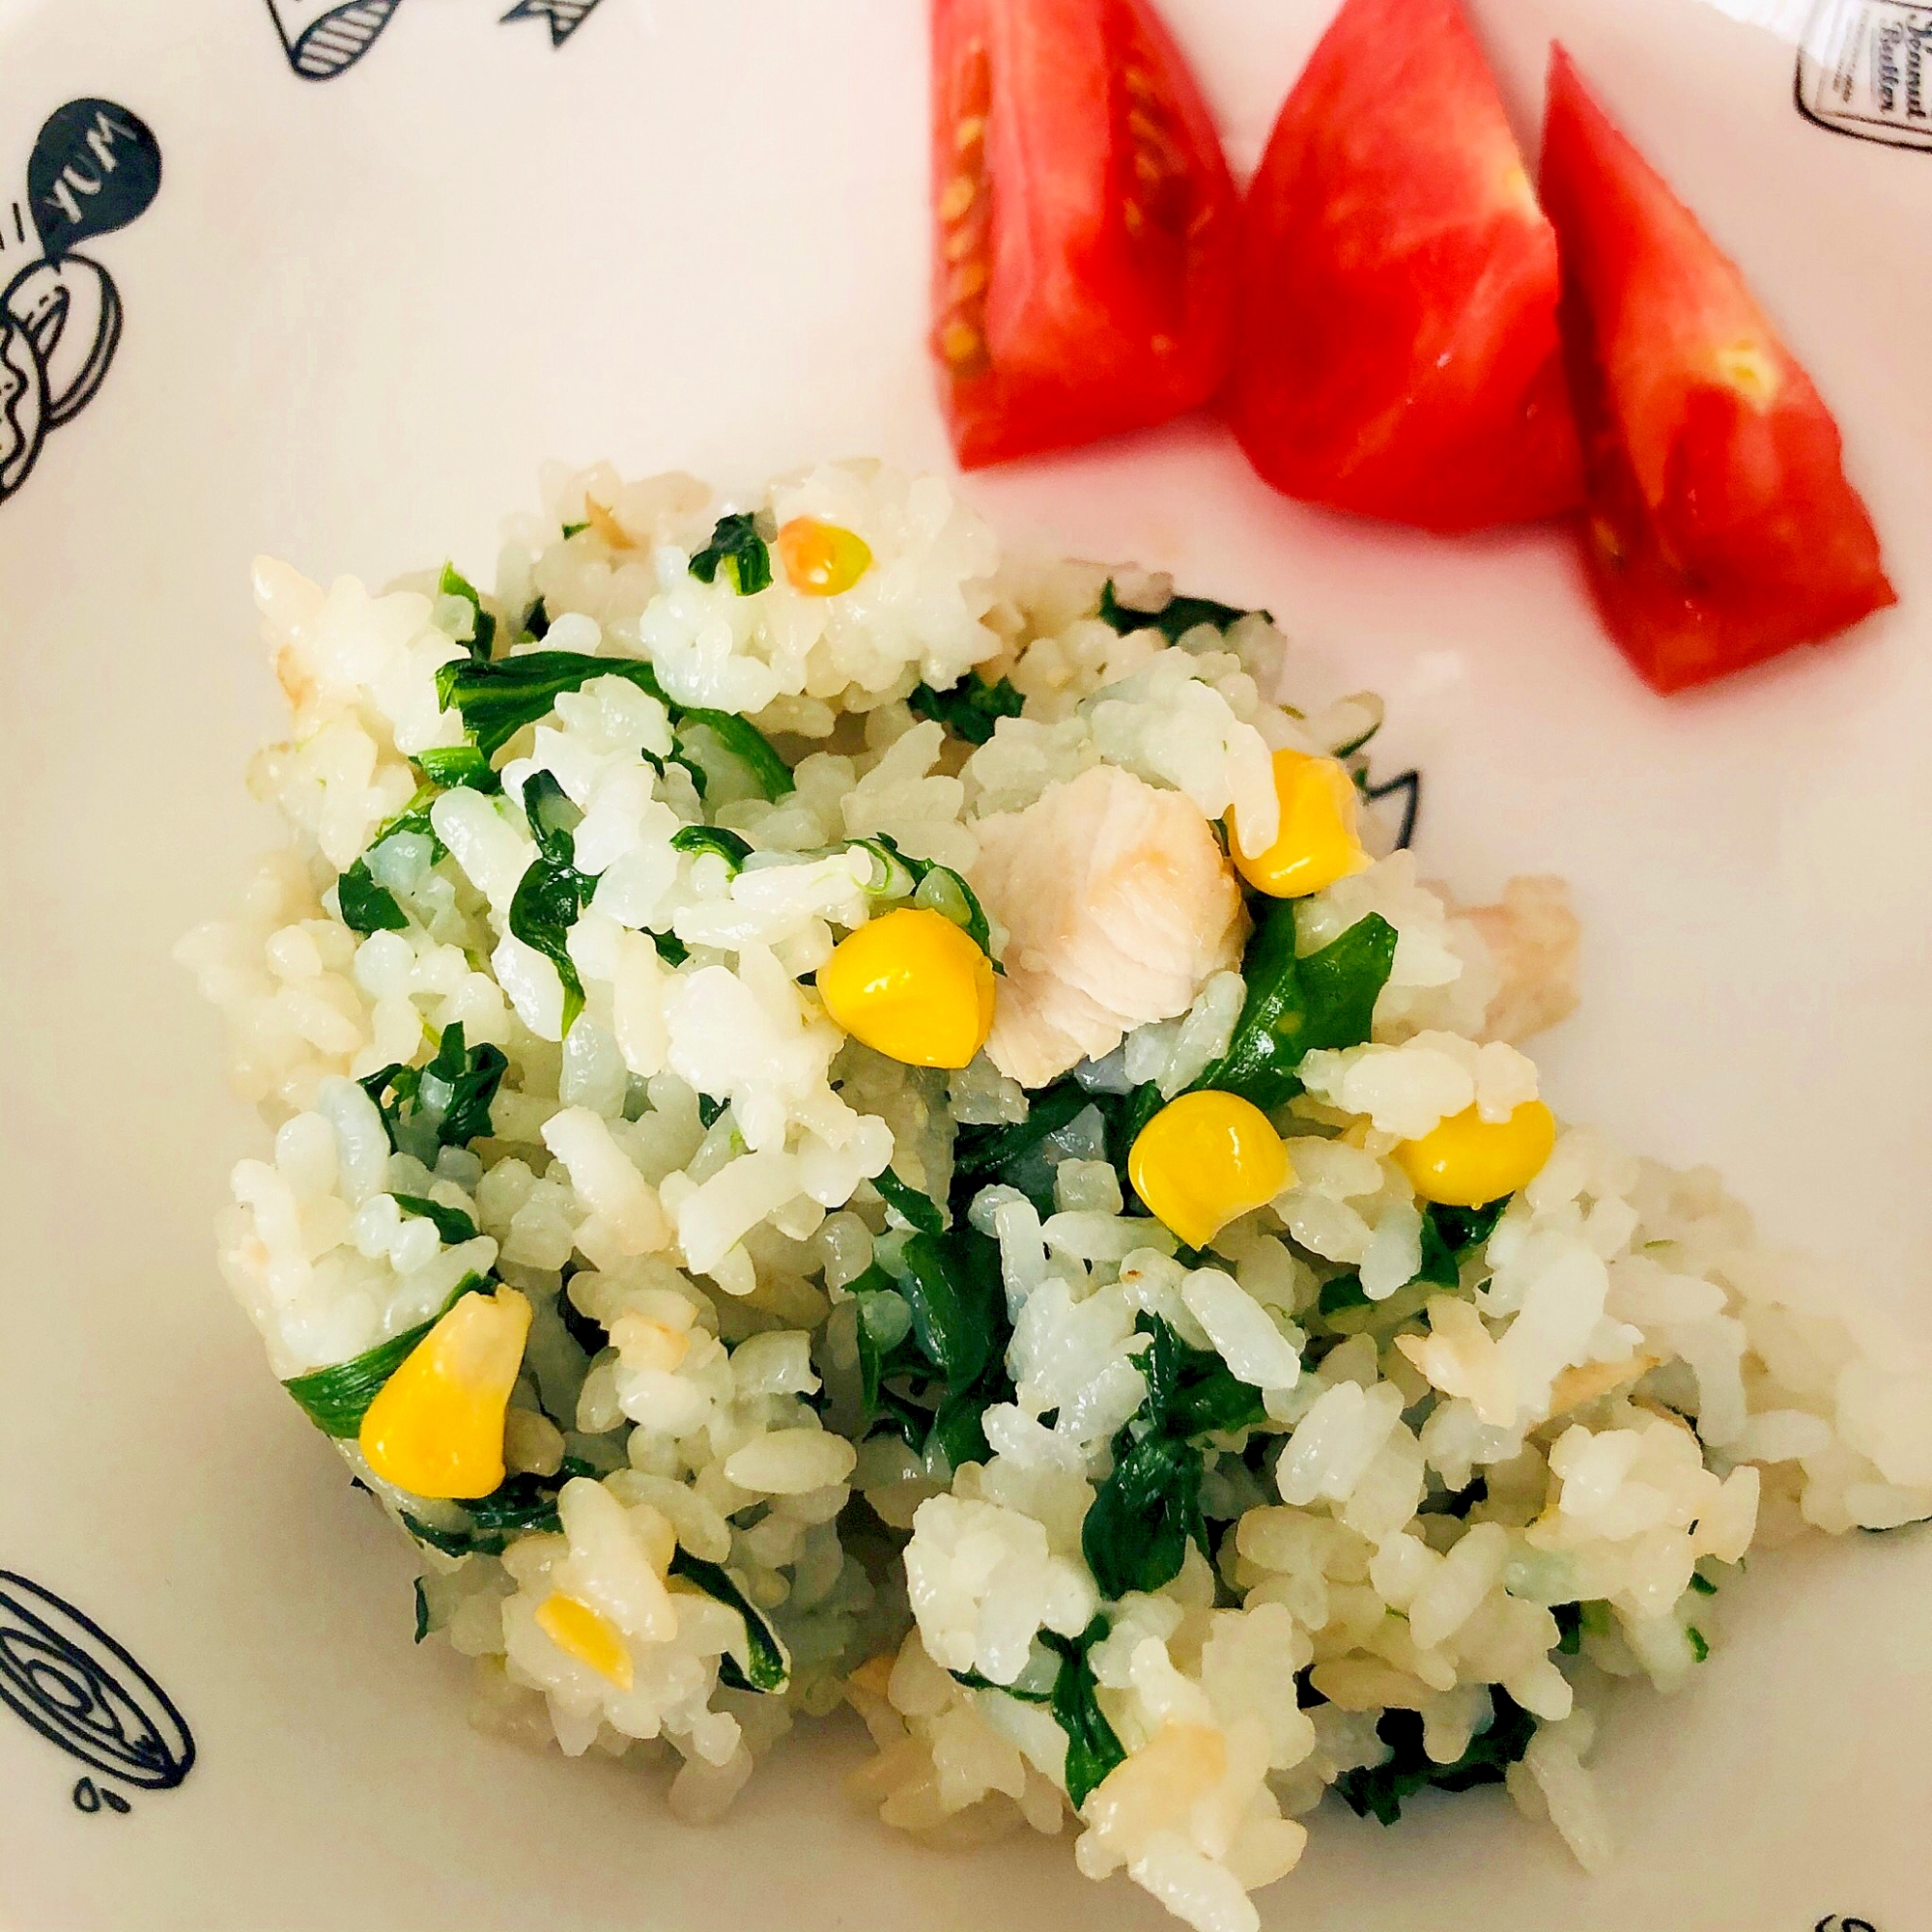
{"x":743,"y":554}
{"x":445,"y":1103}
{"x":552,"y":894}
{"x":1147,"y":1511}
{"x":497,"y":699}
{"x":970,"y":709}
{"x":457,"y":767}
{"x":764,"y":1666}
{"x":717,"y":744}
{"x":951,"y":1283}
{"x":1381,"y":1788}
{"x":727,"y":845}
{"x":1294,"y":1005}
{"x":1145,"y":1514}
{"x":367,"y":907}
{"x":483,"y":634}
{"x":337,"y":1399}
{"x":916,"y":1209}
{"x":898,"y":877}
{"x":452,"y":1225}
{"x":1174,"y":619}
{"x":1092,"y":1748}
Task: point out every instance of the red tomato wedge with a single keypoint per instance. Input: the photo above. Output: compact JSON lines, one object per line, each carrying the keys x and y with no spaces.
{"x":1720,"y":528}
{"x":1083,"y":225}
{"x":1397,"y":344}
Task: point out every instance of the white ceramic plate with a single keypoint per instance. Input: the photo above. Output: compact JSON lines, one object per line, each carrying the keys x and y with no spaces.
{"x":358,"y":312}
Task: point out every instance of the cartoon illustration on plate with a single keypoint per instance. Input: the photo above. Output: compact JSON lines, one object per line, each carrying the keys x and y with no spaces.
{"x":323,"y":38}
{"x":1865,"y":69}
{"x":94,"y":168}
{"x":62,"y":1674}
{"x":564,"y":17}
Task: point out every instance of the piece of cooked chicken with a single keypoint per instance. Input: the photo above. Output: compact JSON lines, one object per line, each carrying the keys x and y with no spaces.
{"x":1119,"y":905}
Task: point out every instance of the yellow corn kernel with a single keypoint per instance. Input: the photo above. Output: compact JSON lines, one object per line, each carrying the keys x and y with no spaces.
{"x":913,"y":987}
{"x":435,"y":1427}
{"x":1317,"y":844}
{"x":821,"y":560}
{"x":1466,"y":1161}
{"x":1207,"y":1159}
{"x":595,"y":1642}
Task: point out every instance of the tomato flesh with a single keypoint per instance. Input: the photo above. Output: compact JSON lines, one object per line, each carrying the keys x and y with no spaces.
{"x":1083,"y":223}
{"x":1397,"y":344}
{"x":1720,"y":528}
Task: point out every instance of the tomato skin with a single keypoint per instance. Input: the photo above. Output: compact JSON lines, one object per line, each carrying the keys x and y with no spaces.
{"x":1397,"y":345}
{"x":1720,"y":529}
{"x":1083,"y":225}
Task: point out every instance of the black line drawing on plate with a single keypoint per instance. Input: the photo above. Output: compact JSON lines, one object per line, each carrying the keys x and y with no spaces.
{"x":1865,"y":69}
{"x":326,"y":38}
{"x":1831,"y":1922}
{"x":94,"y":168}
{"x":91,"y":1798}
{"x":62,"y":1674}
{"x":565,"y":16}
{"x":323,"y":38}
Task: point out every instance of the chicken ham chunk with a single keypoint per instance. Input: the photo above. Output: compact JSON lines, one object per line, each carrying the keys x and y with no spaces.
{"x":1119,"y":905}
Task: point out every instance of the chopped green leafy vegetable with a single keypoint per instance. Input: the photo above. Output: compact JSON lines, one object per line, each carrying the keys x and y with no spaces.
{"x":764,"y":1666}
{"x":970,"y":709}
{"x":337,"y":1399}
{"x":1702,"y":1585}
{"x":1093,"y":1750}
{"x":898,"y":877}
{"x":1174,"y":619}
{"x":1147,"y":1511}
{"x":916,"y":1209}
{"x":571,"y":529}
{"x":1450,"y":1236}
{"x":1145,"y":1514}
{"x":951,"y":1284}
{"x":445,"y":1103}
{"x":1381,"y":1788}
{"x":550,"y":896}
{"x":497,"y":699}
{"x":1466,"y":1228}
{"x":1344,"y":1293}
{"x":367,"y":907}
{"x":745,"y":555}
{"x":519,"y":1506}
{"x":974,"y":1681}
{"x":422,"y":1612}
{"x":697,"y":839}
{"x":483,"y":633}
{"x":1294,"y":1005}
{"x":1700,"y":1648}
{"x":983,"y":1154}
{"x":536,"y":620}
{"x":932,"y":1342}
{"x":1025,"y":1155}
{"x":457,"y":768}
{"x":452,"y":1223}
{"x":1576,"y":1621}
{"x":718,"y":746}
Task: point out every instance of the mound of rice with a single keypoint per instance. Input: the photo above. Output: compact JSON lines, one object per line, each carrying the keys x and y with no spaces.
{"x":1450,"y":1515}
